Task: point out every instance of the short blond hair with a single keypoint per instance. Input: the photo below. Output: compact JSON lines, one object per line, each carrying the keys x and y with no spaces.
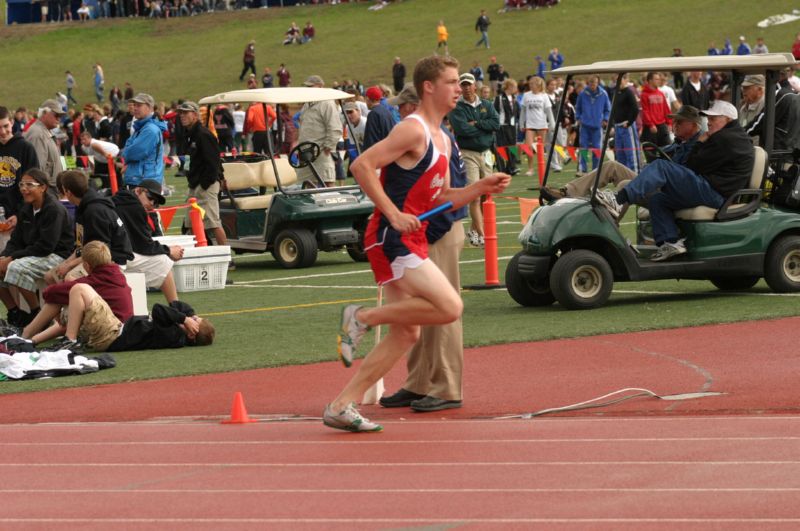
{"x":96,"y":253}
{"x":430,"y":69}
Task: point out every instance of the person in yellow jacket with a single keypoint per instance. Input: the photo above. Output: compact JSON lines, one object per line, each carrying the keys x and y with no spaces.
{"x":441,"y":37}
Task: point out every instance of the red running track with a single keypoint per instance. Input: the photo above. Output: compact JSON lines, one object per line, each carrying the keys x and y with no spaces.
{"x":732,"y":472}
{"x":726,"y":462}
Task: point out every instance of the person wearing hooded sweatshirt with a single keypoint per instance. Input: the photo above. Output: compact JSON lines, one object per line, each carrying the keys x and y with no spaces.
{"x":41,"y":240}
{"x":655,"y":112}
{"x":17,"y":156}
{"x":591,"y":114}
{"x":144,"y":150}
{"x":95,"y":219}
{"x":151,"y":258}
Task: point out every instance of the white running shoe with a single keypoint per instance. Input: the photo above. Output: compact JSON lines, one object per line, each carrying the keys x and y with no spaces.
{"x":474,"y":238}
{"x":609,"y":200}
{"x":348,"y":420}
{"x":668,"y":250}
{"x":350,"y":334}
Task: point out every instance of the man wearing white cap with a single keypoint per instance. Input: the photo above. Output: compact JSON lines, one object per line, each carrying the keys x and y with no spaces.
{"x":40,"y":135}
{"x":719,"y":164}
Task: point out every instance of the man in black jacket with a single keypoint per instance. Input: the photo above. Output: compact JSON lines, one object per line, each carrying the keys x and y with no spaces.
{"x":151,"y":258}
{"x":482,"y":25}
{"x":626,"y":138}
{"x":95,"y":219}
{"x":205,"y":168}
{"x":719,"y":164}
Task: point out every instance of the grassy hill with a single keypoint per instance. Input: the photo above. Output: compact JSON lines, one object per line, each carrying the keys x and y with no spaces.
{"x":197,"y":56}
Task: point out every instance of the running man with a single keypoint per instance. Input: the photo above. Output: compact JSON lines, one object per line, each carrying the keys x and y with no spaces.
{"x":414,"y":178}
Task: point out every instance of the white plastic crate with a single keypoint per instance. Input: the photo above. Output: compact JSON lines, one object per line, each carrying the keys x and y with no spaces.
{"x":202,"y":268}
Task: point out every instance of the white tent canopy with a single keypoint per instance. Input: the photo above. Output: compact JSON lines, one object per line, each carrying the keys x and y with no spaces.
{"x":747,"y":64}
{"x":276,"y":96}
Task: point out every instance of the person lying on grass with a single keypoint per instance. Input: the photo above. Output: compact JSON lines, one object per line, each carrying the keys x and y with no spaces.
{"x":90,"y":316}
{"x":104,"y":277}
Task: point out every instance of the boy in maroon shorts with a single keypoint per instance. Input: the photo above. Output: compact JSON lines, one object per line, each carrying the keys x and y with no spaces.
{"x":414,"y":178}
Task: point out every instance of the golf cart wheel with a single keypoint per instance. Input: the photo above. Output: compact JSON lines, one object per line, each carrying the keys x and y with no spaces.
{"x":525,"y":292}
{"x":782,"y":266}
{"x":581,"y":280}
{"x":356,"y":250}
{"x":734,"y":283}
{"x":295,"y":248}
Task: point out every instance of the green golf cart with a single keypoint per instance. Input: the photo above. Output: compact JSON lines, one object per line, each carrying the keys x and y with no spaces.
{"x":573,"y":250}
{"x":262,"y":206}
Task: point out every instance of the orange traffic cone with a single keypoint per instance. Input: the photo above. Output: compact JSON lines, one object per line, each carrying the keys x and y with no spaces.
{"x":238,"y":412}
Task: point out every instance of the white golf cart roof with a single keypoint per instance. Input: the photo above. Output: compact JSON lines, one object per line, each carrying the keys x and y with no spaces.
{"x":276,"y":96}
{"x":748,"y":64}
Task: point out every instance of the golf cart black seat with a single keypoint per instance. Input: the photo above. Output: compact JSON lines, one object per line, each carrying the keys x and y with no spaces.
{"x":734,"y":207}
{"x":245,"y":175}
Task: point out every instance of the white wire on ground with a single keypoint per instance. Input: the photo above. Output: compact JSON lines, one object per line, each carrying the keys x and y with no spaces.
{"x":595,"y":402}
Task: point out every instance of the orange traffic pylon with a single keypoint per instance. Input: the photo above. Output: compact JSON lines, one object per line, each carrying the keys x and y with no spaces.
{"x":238,"y":411}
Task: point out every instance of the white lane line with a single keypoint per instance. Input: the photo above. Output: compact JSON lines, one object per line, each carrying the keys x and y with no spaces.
{"x":385,"y":491}
{"x":358,"y":272}
{"x":361,"y":464}
{"x":311,"y":286}
{"x":455,"y":521}
{"x":362,"y":442}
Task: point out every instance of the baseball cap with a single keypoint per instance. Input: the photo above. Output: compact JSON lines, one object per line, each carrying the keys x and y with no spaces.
{"x":721,"y":108}
{"x":313,"y":80}
{"x":757,"y":80}
{"x":146,"y":99}
{"x":188,"y":106}
{"x":52,"y":106}
{"x":687,"y":113}
{"x":350,"y":106}
{"x":374,"y":93}
{"x":407,"y":95}
{"x":153,"y":187}
{"x":466,"y":78}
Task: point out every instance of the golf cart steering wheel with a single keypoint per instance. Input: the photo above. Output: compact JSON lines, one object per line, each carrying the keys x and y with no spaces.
{"x":659,"y":153}
{"x":306,"y":153}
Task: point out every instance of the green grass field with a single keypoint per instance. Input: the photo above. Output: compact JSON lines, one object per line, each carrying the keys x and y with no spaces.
{"x":198,"y":56}
{"x":271,"y":316}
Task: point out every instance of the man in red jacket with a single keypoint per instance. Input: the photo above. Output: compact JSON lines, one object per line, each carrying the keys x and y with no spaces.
{"x":655,"y":112}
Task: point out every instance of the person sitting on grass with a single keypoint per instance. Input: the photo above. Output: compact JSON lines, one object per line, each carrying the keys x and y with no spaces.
{"x":104,"y":277}
{"x":153,"y":259}
{"x":40,"y":241}
{"x":95,"y":219}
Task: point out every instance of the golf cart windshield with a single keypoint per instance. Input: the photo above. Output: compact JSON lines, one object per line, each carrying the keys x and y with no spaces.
{"x":277,"y":96}
{"x":738,"y":65}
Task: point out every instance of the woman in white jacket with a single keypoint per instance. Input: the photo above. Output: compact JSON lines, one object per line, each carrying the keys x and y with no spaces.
{"x":536,"y":115}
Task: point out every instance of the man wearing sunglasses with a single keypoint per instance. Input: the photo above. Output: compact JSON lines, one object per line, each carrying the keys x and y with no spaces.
{"x":151,"y":258}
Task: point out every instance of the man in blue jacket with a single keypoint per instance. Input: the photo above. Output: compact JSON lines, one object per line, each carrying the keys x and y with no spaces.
{"x":144,"y":150}
{"x":591,"y":115}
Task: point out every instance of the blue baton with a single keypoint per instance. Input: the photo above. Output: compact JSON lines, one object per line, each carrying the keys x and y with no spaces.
{"x":434,"y":211}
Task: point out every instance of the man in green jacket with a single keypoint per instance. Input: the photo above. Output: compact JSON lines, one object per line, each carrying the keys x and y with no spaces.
{"x":474,"y":122}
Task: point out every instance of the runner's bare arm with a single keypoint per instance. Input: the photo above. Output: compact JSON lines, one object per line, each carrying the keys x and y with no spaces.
{"x":405,"y":138}
{"x":493,"y":184}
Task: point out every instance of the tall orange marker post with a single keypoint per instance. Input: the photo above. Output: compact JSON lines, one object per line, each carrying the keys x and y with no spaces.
{"x":197,"y":223}
{"x":112,"y":175}
{"x":540,"y":158}
{"x":490,"y":239}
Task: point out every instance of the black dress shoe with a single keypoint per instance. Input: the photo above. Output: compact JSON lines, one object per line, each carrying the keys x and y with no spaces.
{"x":401,"y":398}
{"x":431,"y":403}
